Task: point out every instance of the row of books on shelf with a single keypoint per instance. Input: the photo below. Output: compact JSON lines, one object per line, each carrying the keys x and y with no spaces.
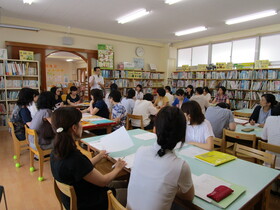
{"x":12,"y":94}
{"x":128,"y":83}
{"x":187,"y":75}
{"x":2,"y":82}
{"x":2,"y":95}
{"x":21,"y":83}
{"x":3,"y":120}
{"x":131,"y":74}
{"x":15,"y":68}
{"x":239,"y":104}
{"x":3,"y":109}
{"x":185,"y":83}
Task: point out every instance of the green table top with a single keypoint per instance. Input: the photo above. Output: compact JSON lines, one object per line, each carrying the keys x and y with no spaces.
{"x":249,"y":111}
{"x":257,"y":131}
{"x":252,"y":176}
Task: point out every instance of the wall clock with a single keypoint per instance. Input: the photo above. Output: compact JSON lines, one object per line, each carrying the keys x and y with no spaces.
{"x":139,"y":51}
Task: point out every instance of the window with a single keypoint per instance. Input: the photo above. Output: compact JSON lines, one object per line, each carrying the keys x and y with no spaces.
{"x":270,"y":48}
{"x":221,"y":52}
{"x":243,"y":51}
{"x":184,"y":57}
{"x":200,"y":55}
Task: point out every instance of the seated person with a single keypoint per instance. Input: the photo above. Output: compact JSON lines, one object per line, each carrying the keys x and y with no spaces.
{"x":40,"y":123}
{"x":73,"y":98}
{"x":57,"y":92}
{"x":200,"y":99}
{"x":180,"y":98}
{"x":158,"y":175}
{"x":113,"y":86}
{"x":199,"y":132}
{"x":139,"y":92}
{"x":21,"y":114}
{"x":145,"y":108}
{"x":220,"y":117}
{"x":129,"y":101}
{"x":207,"y":95}
{"x":161,"y":100}
{"x":264,"y":110}
{"x":71,"y":167}
{"x":169,"y":94}
{"x":118,"y":110}
{"x":221,"y":96}
{"x":33,"y":107}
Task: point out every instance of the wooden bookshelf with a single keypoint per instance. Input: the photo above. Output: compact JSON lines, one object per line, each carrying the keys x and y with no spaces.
{"x":14,"y":75}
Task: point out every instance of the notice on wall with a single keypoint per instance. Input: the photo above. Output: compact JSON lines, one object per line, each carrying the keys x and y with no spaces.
{"x":105,"y":56}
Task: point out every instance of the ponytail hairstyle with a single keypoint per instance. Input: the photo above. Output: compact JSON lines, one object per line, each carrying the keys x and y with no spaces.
{"x":170,"y":127}
{"x":62,"y":121}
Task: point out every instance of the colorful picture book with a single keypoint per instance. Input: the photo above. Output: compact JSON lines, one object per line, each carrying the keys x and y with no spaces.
{"x":215,"y":158}
{"x":26,"y":55}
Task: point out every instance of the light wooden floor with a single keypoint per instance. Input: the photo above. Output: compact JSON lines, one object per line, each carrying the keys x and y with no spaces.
{"x":25,"y":192}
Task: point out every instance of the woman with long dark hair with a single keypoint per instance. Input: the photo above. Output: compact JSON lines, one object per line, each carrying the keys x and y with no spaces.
{"x":71,"y":167}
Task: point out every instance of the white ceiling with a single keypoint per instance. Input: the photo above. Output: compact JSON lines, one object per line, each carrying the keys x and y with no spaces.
{"x":159,"y":25}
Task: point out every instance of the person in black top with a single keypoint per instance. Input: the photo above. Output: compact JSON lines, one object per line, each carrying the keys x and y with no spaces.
{"x":189,"y":91}
{"x":73,"y":98}
{"x":57,"y":92}
{"x":71,"y":167}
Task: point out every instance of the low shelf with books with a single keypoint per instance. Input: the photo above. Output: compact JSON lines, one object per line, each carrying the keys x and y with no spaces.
{"x":14,"y":75}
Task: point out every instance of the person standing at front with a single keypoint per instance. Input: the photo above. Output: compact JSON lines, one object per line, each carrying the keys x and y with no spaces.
{"x":96,"y":81}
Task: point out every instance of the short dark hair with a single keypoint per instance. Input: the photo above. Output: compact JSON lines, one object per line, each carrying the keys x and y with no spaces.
{"x":276,"y":110}
{"x":167,"y":88}
{"x":140,"y":86}
{"x":270,"y":98}
{"x":25,"y":97}
{"x":206,"y":89}
{"x":46,"y":100}
{"x":223,"y":89}
{"x":113,"y":86}
{"x":65,"y":118}
{"x":130,"y":93}
{"x":170,"y":127}
{"x":180,"y":92}
{"x":148,"y":97}
{"x":73,"y":88}
{"x":199,"y":90}
{"x":97,"y":94}
{"x":161,"y":92}
{"x":54,"y":89}
{"x":223,"y":105}
{"x":95,"y":68}
{"x":115,"y":95}
{"x":193,"y":109}
{"x":35,"y":92}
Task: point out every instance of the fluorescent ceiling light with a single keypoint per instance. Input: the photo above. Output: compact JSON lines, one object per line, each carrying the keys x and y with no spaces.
{"x":19,"y":27}
{"x":191,"y":30}
{"x":28,"y":1}
{"x":132,"y":16}
{"x":171,"y":1}
{"x":69,"y":60}
{"x":254,"y":16}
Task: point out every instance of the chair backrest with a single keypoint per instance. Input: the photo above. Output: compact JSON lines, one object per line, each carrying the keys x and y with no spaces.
{"x":134,"y":117}
{"x":242,"y":114}
{"x":66,"y":190}
{"x":254,"y":153}
{"x":33,"y":133}
{"x":217,"y":143}
{"x":113,"y":203}
{"x":263,"y":146}
{"x":83,"y":151}
{"x":239,"y":137}
{"x":11,"y":125}
{"x":63,"y":97}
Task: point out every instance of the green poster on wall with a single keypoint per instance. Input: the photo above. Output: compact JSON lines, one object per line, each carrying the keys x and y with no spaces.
{"x":105,"y":56}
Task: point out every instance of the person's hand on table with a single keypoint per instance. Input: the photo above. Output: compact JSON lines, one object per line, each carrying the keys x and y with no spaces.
{"x":261,"y":125}
{"x":120,"y":164}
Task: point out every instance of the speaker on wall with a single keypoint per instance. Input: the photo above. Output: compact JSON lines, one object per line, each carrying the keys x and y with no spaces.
{"x":66,"y":40}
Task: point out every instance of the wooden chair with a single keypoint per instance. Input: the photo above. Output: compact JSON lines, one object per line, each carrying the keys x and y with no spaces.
{"x":18,"y":145}
{"x":133,"y":117}
{"x":113,"y":203}
{"x":254,"y":153}
{"x":38,"y":151}
{"x":242,"y":114}
{"x":66,"y":190}
{"x":240,"y":138}
{"x":83,"y":151}
{"x":263,"y":146}
{"x":63,"y":97}
{"x":217,"y":144}
{"x":2,"y":192}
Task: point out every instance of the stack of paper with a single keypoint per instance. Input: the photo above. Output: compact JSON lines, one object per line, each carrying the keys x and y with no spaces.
{"x":146,"y":136}
{"x":240,"y":121}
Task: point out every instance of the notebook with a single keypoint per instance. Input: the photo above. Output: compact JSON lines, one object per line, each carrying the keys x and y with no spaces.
{"x":215,"y":158}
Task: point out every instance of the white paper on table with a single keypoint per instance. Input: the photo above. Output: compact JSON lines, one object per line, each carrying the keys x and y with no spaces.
{"x":97,"y":145}
{"x":205,"y":184}
{"x":86,"y":115}
{"x":117,"y":141}
{"x":128,"y":159}
{"x":92,"y":119}
{"x":146,"y":136}
{"x":240,"y":121}
{"x":192,"y":151}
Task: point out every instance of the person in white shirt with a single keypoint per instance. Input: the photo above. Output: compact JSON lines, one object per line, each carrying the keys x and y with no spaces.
{"x":199,"y":132}
{"x":145,"y":108}
{"x":33,"y":107}
{"x":129,"y":101}
{"x":158,"y":175}
{"x":206,"y":93}
{"x":96,"y":81}
{"x":169,"y":95}
{"x":113,"y":87}
{"x":200,"y":99}
{"x":139,"y":92}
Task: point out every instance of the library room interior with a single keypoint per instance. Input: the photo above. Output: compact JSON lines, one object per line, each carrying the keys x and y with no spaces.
{"x":140,"y":105}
